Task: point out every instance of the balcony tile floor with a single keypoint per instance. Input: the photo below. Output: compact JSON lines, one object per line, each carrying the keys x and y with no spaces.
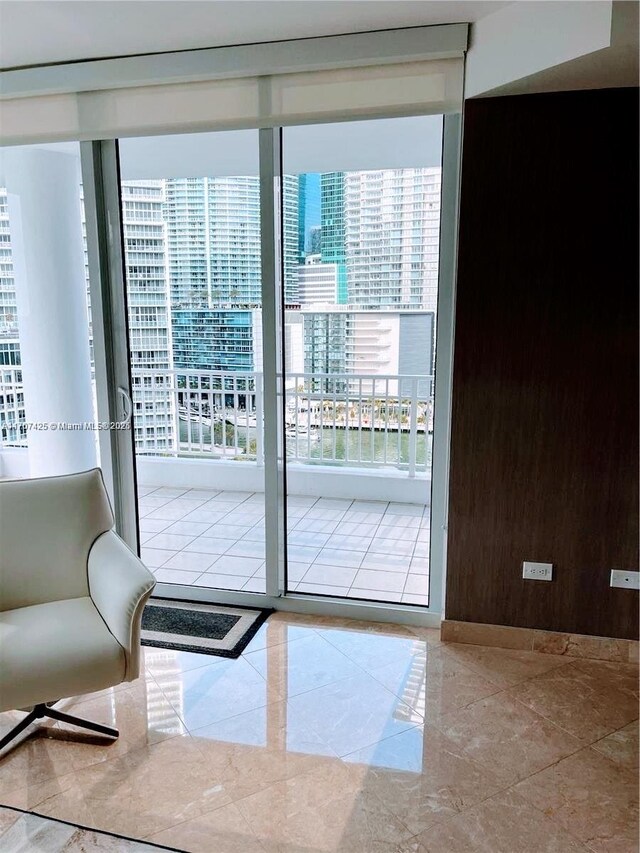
{"x":354,"y":549}
{"x":331,"y":736}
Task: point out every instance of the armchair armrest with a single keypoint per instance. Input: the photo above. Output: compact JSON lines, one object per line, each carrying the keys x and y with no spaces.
{"x":119,"y":586}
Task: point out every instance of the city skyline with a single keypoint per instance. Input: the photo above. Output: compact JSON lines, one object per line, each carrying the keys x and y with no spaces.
{"x":353,"y":241}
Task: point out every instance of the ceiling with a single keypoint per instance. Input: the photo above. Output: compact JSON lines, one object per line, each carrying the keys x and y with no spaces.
{"x":34,"y":32}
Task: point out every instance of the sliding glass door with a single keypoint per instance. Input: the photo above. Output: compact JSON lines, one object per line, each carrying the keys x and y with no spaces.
{"x":281,"y":306}
{"x":362,"y":200}
{"x":192,"y":248}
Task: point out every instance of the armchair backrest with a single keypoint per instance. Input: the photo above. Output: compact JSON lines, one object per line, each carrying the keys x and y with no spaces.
{"x":47,"y":528}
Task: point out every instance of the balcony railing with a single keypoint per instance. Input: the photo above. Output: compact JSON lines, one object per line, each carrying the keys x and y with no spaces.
{"x":347,"y":419}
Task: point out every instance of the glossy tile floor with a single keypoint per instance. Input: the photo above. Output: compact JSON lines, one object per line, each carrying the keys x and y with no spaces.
{"x":27,"y":832}
{"x":354,"y":549}
{"x":331,"y":736}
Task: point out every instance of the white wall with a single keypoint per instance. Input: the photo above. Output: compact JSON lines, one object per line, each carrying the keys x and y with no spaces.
{"x":315,"y":480}
{"x":527,"y":37}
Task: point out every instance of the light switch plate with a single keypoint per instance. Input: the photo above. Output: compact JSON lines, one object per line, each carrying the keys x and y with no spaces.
{"x":537,"y":571}
{"x":625,"y":580}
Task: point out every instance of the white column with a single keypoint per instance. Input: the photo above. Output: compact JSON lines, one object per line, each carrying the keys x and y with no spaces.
{"x":45,"y":221}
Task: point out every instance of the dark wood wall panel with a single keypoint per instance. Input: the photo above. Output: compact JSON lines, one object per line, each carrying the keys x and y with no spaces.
{"x":544,"y":458}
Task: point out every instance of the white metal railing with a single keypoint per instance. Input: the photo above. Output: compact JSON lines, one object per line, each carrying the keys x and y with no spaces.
{"x":348,"y":419}
{"x":358,"y":420}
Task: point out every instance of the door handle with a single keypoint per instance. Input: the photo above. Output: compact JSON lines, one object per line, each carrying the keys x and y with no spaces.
{"x":127,"y":406}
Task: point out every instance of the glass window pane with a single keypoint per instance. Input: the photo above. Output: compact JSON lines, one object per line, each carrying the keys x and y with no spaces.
{"x":191,"y":219}
{"x":360,"y":334}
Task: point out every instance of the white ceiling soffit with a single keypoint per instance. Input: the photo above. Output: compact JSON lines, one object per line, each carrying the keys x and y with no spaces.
{"x":616,"y":66}
{"x":532,"y":47}
{"x":398,"y":143}
{"x":47,"y":31}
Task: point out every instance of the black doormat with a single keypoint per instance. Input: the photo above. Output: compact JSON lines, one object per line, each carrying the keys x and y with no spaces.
{"x":209,"y":629}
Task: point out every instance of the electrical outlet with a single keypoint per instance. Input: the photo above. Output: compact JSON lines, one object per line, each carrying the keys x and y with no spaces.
{"x":625,"y":580}
{"x":537,"y":571}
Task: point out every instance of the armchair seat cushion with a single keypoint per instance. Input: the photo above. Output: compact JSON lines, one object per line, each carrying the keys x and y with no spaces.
{"x":54,"y":650}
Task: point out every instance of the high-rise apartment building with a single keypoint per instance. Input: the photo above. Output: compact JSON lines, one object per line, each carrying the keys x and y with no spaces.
{"x":353,"y":341}
{"x":308,"y":214}
{"x":149,"y":317}
{"x":214,"y":267}
{"x":11,"y":395}
{"x":391,"y":235}
{"x":332,"y":228}
{"x":317,"y":282}
{"x":380,"y":234}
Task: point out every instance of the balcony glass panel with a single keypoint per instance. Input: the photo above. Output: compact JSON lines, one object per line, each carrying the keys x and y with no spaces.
{"x":360,"y":307}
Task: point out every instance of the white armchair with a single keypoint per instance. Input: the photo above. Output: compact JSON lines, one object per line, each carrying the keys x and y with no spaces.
{"x":71,"y":597}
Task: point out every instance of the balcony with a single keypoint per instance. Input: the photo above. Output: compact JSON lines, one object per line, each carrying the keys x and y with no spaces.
{"x":372,"y":550}
{"x":358,"y":450}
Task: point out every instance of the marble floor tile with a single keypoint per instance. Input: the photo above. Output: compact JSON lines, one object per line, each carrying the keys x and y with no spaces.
{"x":505,"y":667}
{"x":220,"y":690}
{"x":167,"y":665}
{"x":31,"y":832}
{"x":226,"y":825}
{"x":142,"y":714}
{"x":353,"y":713}
{"x":141,"y":792}
{"x":621,"y":746}
{"x":585,"y":701}
{"x":370,"y":651}
{"x":324,"y":809}
{"x":507,"y":736}
{"x":423,"y":778}
{"x":503,"y":824}
{"x":331,"y":735}
{"x":590,"y":796}
{"x":7,"y":818}
{"x":308,"y":663}
{"x":432,"y":682}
